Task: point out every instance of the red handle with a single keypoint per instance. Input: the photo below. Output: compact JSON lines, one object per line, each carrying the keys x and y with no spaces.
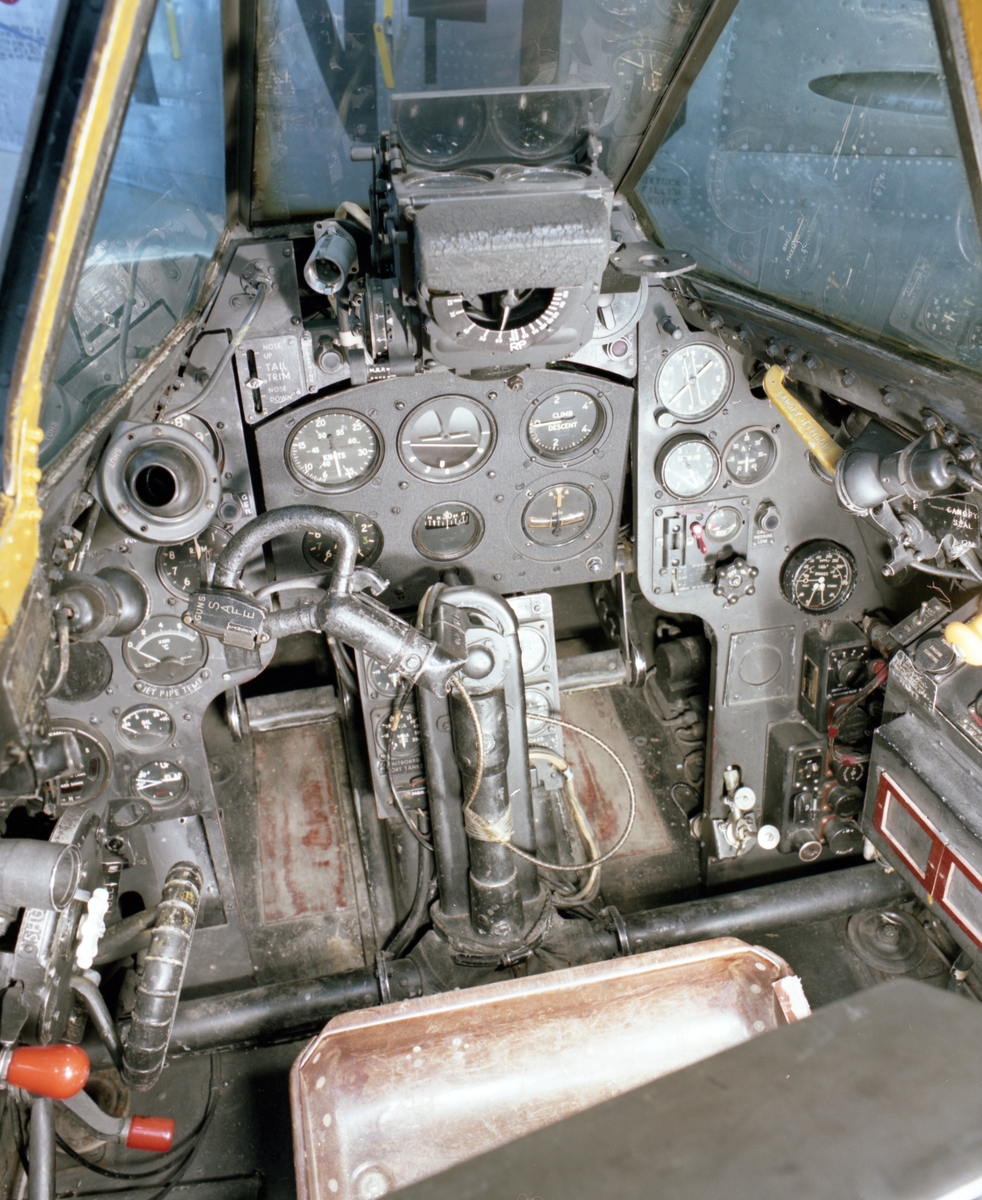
{"x":151,"y":1133}
{"x":56,"y":1071}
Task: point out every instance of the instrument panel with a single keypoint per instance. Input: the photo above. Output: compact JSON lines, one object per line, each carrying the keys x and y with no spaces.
{"x":518,"y":485}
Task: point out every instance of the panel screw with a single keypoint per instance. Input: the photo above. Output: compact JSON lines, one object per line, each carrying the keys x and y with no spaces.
{"x":594,"y":565}
{"x":516,"y":383}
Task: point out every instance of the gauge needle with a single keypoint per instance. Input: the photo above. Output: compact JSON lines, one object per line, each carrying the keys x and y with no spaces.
{"x":150,"y":657}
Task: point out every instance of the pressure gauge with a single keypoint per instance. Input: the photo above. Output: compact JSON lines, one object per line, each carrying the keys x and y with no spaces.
{"x":334,"y":451}
{"x":178,"y":567}
{"x":446,"y":439}
{"x":687,"y":467}
{"x":723,"y":524}
{"x":693,"y":381}
{"x":319,"y":549}
{"x":161,"y":783}
{"x":819,"y":576}
{"x":145,"y":726}
{"x":558,"y":515}
{"x":565,"y":424}
{"x":164,"y":650}
{"x":750,"y":456}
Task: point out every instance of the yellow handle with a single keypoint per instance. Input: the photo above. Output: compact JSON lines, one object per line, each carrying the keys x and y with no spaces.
{"x":801,"y":420}
{"x":385,"y":62}
{"x":966,"y":637}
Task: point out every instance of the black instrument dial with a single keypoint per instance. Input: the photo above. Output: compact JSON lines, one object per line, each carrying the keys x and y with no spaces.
{"x":693,"y":381}
{"x":178,"y":567}
{"x":448,"y":531}
{"x":565,"y":424}
{"x":164,"y":650}
{"x":383,"y":680}
{"x":319,"y":549}
{"x":558,"y":515}
{"x":819,"y":576}
{"x":404,"y":738}
{"x":750,"y":456}
{"x":145,"y":726}
{"x":334,"y":451}
{"x":687,"y":467}
{"x":161,"y":783}
{"x":97,"y":765}
{"x":446,"y":439}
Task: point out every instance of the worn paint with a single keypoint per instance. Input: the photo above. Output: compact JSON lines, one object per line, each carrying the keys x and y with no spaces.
{"x":301,"y":844}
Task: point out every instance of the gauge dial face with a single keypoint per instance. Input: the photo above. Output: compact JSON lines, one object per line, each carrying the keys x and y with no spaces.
{"x":537,"y":706}
{"x":179,"y":567}
{"x":334,"y":451}
{"x":319,"y":549}
{"x":723,"y":524}
{"x":145,"y":726}
{"x":750,"y":456}
{"x":405,"y":739}
{"x":200,"y":430}
{"x":383,"y":680}
{"x":565,"y":424}
{"x":164,"y":650}
{"x":687,"y":467}
{"x":535,"y":124}
{"x":160,"y":783}
{"x":429,"y":136}
{"x":96,"y":767}
{"x":448,"y":531}
{"x":446,"y":439}
{"x":819,"y":576}
{"x":558,"y":515}
{"x":693,"y":381}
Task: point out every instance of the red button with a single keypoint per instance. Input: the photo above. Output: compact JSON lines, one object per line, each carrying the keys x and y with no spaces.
{"x":151,"y":1133}
{"x":56,"y":1071}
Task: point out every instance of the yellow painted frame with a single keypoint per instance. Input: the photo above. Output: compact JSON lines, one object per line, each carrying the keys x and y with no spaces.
{"x":109,"y":79}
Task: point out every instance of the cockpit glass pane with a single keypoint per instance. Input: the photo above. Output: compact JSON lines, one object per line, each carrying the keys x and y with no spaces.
{"x":328,"y":70}
{"x":816,"y":160}
{"x":161,"y":216}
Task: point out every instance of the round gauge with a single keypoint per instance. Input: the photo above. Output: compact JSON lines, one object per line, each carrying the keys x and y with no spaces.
{"x":533,"y":648}
{"x":723,"y":524}
{"x":558,"y":515}
{"x":164,"y":650}
{"x":160,"y":783}
{"x":97,"y":765}
{"x":565,"y":424}
{"x":448,"y":531}
{"x":750,"y":456}
{"x":334,"y":451}
{"x":534,"y":124}
{"x":405,"y":739}
{"x":687,"y":467}
{"x":537,"y":706}
{"x":446,"y":439}
{"x":428,"y":134}
{"x":319,"y":549}
{"x":693,"y":381}
{"x":178,"y":566}
{"x":145,"y":726}
{"x":819,"y":576}
{"x":201,"y":430}
{"x":383,"y":679}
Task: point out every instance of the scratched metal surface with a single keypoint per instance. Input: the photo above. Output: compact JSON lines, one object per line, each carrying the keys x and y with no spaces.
{"x":391,"y":1095}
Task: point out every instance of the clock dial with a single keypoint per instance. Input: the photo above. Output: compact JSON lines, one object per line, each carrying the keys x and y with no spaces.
{"x":750,"y":456}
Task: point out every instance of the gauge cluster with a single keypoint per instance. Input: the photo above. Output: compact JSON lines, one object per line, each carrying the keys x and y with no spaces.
{"x":735,"y":526}
{"x":516,"y":484}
